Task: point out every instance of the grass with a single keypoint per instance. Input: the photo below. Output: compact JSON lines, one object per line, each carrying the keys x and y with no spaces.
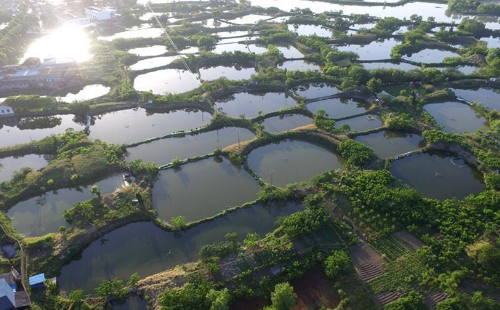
{"x":390,"y":247}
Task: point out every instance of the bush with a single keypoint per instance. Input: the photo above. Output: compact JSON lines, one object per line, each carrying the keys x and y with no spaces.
{"x":413,"y":301}
{"x":355,"y":152}
{"x":337,"y":263}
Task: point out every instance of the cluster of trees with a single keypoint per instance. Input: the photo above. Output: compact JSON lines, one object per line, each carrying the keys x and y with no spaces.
{"x":14,"y":35}
{"x":24,"y":103}
{"x":304,"y":222}
{"x":473,"y":7}
{"x":355,"y":152}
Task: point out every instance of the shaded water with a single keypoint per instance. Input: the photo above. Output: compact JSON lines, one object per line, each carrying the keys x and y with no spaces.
{"x":192,"y":192}
{"x":292,"y":161}
{"x":167,"y":81}
{"x":390,"y":143}
{"x":430,"y":56}
{"x":485,"y":96}
{"x":153,"y":62}
{"x":17,"y":131}
{"x":249,"y":19}
{"x":290,"y":52}
{"x":315,"y":90}
{"x":144,"y":248}
{"x":438,"y":175}
{"x":372,"y":51}
{"x":232,"y":73}
{"x":456,"y":116}
{"x":285,"y":122}
{"x":10,"y":164}
{"x":164,"y":151}
{"x":132,"y":303}
{"x":88,"y":92}
{"x":308,"y":30}
{"x":41,"y":215}
{"x":155,"y":50}
{"x":389,"y":65}
{"x":136,"y":125}
{"x":240,"y":47}
{"x":362,"y":123}
{"x":248,"y":104}
{"x":301,"y":65}
{"x":338,"y":107}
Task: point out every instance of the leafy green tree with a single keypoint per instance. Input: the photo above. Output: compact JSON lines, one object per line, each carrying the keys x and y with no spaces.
{"x":355,"y":152}
{"x":220,"y":299}
{"x":112,"y":289}
{"x":489,"y":260}
{"x":374,"y":85}
{"x":479,"y":302}
{"x":283,"y":297}
{"x":76,"y":297}
{"x":413,"y":301}
{"x":96,"y":191}
{"x":178,"y":222}
{"x":454,"y":303}
{"x":337,"y":263}
{"x":134,"y":278}
{"x":251,"y":240}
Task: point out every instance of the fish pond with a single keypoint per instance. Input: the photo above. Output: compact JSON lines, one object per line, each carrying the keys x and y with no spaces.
{"x":391,"y":143}
{"x":135,"y":125}
{"x":362,"y":123}
{"x":191,"y":191}
{"x":438,"y":175}
{"x":165,"y":150}
{"x":285,"y":162}
{"x":249,"y":104}
{"x":285,"y":122}
{"x":9,"y":165}
{"x":339,"y":107}
{"x":232,"y":73}
{"x":41,"y":215}
{"x":86,"y":93}
{"x":166,"y":81}
{"x":456,"y":116}
{"x":484,"y":96}
{"x":146,"y":249}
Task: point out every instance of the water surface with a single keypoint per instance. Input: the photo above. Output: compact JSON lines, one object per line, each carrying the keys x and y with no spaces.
{"x":362,"y":123}
{"x":135,"y":33}
{"x":315,"y":90}
{"x":486,"y":96}
{"x":430,"y":56}
{"x":124,"y":251}
{"x":308,"y":30}
{"x":456,"y":116}
{"x":285,"y":122}
{"x":438,"y":175}
{"x":167,"y":81}
{"x":45,"y":214}
{"x":249,"y":104}
{"x":154,"y":62}
{"x":192,"y":192}
{"x":390,"y":143}
{"x":301,"y":65}
{"x":135,"y":125}
{"x":165,"y":150}
{"x":88,"y":92}
{"x":389,"y":65}
{"x":10,"y":164}
{"x":232,"y":73}
{"x":292,"y":161}
{"x":338,"y":107}
{"x":372,"y":51}
{"x":155,"y":50}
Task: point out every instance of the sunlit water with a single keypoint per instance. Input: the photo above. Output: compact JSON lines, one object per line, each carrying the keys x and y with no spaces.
{"x":10,"y":164}
{"x":88,"y":92}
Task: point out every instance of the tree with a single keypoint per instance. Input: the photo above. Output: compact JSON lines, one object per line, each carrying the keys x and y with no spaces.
{"x":251,"y":240}
{"x":178,"y":222}
{"x":219,"y":299}
{"x":355,"y":152}
{"x":413,"y":301}
{"x":479,"y":302}
{"x":489,"y":259}
{"x":111,"y":289}
{"x":454,"y":303}
{"x":337,"y":263}
{"x":134,"y":278}
{"x":76,"y":297}
{"x":374,"y":85}
{"x":283,"y":297}
{"x":94,"y":190}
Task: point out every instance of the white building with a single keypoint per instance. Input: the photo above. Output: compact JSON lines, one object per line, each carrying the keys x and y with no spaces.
{"x":5,"y":110}
{"x":99,"y":14}
{"x":70,"y":18}
{"x":7,"y":296}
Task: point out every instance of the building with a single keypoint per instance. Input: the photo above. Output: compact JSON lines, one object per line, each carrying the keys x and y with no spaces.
{"x":53,"y":73}
{"x":37,"y":281}
{"x":5,"y":110}
{"x":99,"y":13}
{"x":7,"y":296}
{"x":73,"y":18}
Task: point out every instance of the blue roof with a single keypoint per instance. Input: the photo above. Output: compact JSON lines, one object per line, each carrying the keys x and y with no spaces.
{"x":39,"y":278}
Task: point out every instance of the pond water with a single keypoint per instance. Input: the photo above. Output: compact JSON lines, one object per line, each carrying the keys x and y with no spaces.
{"x":389,"y":65}
{"x":438,"y":175}
{"x":132,"y":303}
{"x":67,"y":41}
{"x":290,"y":52}
{"x":362,"y":123}
{"x":456,"y":116}
{"x":17,"y":131}
{"x":372,"y":51}
{"x":315,"y":90}
{"x":88,"y":92}
{"x":424,"y":9}
{"x":234,"y":47}
{"x":307,"y":30}
{"x":285,"y":122}
{"x":153,"y":62}
{"x":136,"y":125}
{"x":155,"y":50}
{"x":249,"y":19}
{"x":301,"y":65}
{"x":430,"y":56}
{"x":192,"y":192}
{"x":232,"y":73}
{"x":338,"y":107}
{"x":492,"y":42}
{"x":235,"y":40}
{"x":292,"y":161}
{"x":167,"y":81}
{"x":363,"y":26}
{"x":390,"y":143}
{"x":125,"y":251}
{"x":165,"y":150}
{"x":10,"y":164}
{"x":248,"y":104}
{"x":134,"y":33}
{"x":42,"y":215}
{"x":486,"y":96}
{"x":228,"y":34}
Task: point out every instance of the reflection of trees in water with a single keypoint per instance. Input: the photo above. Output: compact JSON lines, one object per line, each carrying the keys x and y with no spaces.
{"x":42,"y":200}
{"x":39,"y":122}
{"x":82,"y":120}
